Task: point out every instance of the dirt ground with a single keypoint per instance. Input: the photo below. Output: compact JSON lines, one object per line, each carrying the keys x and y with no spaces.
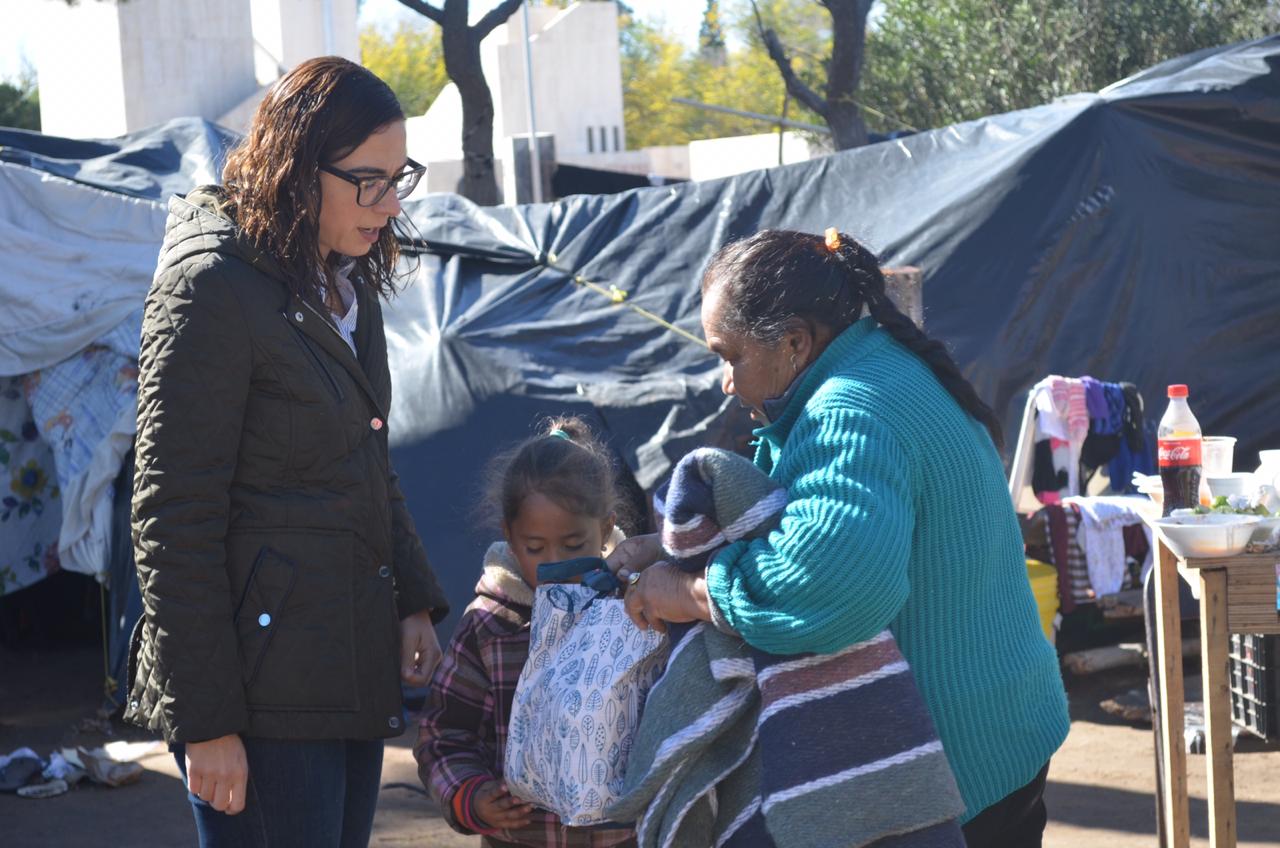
{"x":1099,"y":793}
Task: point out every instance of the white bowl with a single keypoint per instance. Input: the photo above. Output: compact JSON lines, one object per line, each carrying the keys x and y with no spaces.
{"x":1212,"y":535}
{"x":1235,"y":483}
{"x":1262,"y":530}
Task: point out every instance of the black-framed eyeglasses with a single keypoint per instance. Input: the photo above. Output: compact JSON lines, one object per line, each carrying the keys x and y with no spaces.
{"x":371,"y":190}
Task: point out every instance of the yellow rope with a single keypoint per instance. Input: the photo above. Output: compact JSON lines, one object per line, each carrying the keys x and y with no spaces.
{"x":619,"y":296}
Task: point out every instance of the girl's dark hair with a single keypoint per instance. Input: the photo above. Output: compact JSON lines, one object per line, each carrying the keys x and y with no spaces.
{"x":316,"y":114}
{"x":775,"y":277}
{"x":575,"y":472}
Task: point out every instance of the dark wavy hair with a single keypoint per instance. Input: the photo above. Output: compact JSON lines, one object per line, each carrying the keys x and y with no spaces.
{"x":777,"y":276}
{"x":316,"y":114}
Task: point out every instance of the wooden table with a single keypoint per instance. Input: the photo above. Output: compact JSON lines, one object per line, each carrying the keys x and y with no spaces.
{"x":1237,"y":595}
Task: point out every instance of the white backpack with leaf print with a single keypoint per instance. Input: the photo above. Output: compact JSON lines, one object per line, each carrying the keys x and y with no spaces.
{"x":578,"y":702}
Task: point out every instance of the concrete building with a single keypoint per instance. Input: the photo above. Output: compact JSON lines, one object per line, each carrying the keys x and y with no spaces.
{"x":108,"y":68}
{"x":712,"y":158}
{"x":105,"y":69}
{"x":577,"y":94}
{"x":578,"y":106}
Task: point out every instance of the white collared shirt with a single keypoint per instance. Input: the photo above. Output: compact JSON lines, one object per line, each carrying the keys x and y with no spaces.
{"x":346,"y":324}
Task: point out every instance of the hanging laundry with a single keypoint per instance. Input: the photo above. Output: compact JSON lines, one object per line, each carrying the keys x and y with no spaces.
{"x":1070,"y":429}
{"x":86,"y":408}
{"x":1134,"y":454}
{"x":1095,"y":400}
{"x":1061,"y":524}
{"x":1047,"y":480}
{"x":1103,"y":441}
{"x":1062,"y":413}
{"x":1101,"y":535}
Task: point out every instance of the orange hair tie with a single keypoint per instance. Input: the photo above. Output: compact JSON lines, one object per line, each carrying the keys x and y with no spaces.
{"x":833,"y":239}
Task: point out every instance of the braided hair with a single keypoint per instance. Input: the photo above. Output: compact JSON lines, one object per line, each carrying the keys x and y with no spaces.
{"x":775,"y":277}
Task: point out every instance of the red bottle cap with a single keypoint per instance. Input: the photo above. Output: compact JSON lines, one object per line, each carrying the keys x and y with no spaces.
{"x":1177,"y":390}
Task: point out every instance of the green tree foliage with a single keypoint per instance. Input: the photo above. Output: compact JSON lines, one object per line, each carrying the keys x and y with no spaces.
{"x":20,"y":104}
{"x":936,"y":62}
{"x":656,"y":66}
{"x":409,"y":59}
{"x":834,"y":97}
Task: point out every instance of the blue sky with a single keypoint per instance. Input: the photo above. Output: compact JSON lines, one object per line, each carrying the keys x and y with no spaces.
{"x":681,"y":17}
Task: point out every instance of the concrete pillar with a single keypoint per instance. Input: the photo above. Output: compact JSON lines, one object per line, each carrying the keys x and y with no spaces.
{"x":288,"y":32}
{"x":105,"y":69}
{"x":517,"y":187}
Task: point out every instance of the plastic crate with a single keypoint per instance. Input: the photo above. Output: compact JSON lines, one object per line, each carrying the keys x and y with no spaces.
{"x":1255,"y":683}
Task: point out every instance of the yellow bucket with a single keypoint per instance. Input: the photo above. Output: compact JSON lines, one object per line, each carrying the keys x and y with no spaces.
{"x":1044,"y":585}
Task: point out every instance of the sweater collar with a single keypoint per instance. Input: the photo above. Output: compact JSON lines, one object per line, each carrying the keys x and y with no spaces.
{"x":855,"y":342}
{"x":774,"y":407}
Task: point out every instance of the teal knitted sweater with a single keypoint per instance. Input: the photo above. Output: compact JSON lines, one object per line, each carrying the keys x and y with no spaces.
{"x":899,"y":516}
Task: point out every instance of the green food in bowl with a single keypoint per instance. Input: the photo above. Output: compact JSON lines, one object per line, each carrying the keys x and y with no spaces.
{"x":1220,"y":505}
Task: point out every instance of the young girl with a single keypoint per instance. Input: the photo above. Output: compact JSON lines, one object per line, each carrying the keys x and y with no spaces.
{"x":556,"y":497}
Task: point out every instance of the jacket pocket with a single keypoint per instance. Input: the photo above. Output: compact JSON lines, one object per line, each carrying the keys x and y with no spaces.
{"x":295,"y":620}
{"x":132,"y":705}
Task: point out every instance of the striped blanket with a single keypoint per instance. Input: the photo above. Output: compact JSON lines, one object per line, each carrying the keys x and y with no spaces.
{"x":744,"y":749}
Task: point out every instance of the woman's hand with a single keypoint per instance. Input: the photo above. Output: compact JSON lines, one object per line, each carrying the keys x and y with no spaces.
{"x":496,"y":807}
{"x":634,"y":554}
{"x":664,"y":593}
{"x":217,"y":772}
{"x":419,"y":648}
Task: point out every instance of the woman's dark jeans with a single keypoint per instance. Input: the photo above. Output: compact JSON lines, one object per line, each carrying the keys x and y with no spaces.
{"x":318,"y":794}
{"x":1017,"y":821}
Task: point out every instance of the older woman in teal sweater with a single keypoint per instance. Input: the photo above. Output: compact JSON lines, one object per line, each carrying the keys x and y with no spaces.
{"x":898,"y":516}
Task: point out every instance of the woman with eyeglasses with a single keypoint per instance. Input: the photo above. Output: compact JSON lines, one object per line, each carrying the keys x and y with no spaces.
{"x":286,"y":592}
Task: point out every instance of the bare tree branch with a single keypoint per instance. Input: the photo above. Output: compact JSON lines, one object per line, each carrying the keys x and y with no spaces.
{"x":494,"y":17}
{"x":425,"y":9}
{"x":778,"y":54}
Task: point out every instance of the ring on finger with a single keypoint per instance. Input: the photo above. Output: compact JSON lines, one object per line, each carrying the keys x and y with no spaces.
{"x":633,"y":578}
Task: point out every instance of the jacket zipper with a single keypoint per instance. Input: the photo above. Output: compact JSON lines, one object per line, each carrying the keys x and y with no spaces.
{"x":324,"y":369}
{"x":326,"y":323}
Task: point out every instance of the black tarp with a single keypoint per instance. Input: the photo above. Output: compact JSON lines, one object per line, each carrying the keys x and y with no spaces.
{"x":152,"y":163}
{"x":1130,"y":234}
{"x":575,"y":179}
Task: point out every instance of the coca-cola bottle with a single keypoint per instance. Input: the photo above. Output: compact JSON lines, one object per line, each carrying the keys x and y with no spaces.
{"x":1179,"y":439}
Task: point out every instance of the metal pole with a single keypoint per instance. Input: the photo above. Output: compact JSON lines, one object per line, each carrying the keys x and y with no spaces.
{"x":786,"y":99}
{"x":328,"y":27}
{"x":772,"y":119}
{"x":535,"y":162}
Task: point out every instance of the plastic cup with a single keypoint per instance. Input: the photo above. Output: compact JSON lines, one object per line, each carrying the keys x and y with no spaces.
{"x":1218,"y":455}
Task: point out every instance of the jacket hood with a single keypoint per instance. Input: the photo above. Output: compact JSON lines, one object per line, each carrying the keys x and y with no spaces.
{"x":501,"y":578}
{"x":202,"y":223}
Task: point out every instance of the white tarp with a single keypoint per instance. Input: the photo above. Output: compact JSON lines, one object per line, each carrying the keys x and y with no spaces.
{"x":77,"y":261}
{"x":78,"y":264}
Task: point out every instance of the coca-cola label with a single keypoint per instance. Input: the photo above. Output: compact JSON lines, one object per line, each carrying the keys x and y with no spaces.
{"x":1175,"y":453}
